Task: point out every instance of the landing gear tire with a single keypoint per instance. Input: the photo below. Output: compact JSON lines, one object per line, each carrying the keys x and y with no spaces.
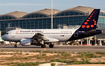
{"x":43,"y":46}
{"x":15,"y":46}
{"x":51,"y":46}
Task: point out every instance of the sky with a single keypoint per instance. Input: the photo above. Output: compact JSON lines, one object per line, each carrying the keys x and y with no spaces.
{"x":7,"y":6}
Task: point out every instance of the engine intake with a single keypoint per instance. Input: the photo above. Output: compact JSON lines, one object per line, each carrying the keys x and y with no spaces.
{"x":25,"y":42}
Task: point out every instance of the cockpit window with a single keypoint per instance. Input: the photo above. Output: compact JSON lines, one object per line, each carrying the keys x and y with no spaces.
{"x":6,"y":33}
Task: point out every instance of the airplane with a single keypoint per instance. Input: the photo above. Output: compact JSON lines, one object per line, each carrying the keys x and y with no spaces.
{"x":41,"y":37}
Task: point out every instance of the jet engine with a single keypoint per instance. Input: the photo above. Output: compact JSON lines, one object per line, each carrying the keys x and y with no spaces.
{"x":25,"y":42}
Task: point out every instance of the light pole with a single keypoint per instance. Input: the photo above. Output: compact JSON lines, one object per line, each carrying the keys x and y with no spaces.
{"x":51,"y":14}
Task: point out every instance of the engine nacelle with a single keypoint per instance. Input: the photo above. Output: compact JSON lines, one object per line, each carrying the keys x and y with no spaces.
{"x":25,"y":42}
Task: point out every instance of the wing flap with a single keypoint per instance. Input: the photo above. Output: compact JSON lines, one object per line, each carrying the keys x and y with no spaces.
{"x":52,"y":39}
{"x":39,"y":36}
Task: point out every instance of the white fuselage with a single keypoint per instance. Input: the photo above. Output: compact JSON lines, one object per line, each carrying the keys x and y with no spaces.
{"x":60,"y":34}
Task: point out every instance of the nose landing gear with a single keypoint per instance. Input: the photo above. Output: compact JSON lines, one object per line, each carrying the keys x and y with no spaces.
{"x":15,"y":46}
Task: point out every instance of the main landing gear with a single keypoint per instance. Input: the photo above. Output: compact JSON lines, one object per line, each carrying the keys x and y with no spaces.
{"x":43,"y":46}
{"x":51,"y":46}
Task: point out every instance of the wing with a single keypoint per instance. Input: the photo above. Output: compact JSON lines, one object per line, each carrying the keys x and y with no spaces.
{"x":40,"y":36}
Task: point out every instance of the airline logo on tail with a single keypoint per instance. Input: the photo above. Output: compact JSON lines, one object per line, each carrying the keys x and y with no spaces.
{"x":88,"y":28}
{"x":86,"y":23}
{"x":91,"y":22}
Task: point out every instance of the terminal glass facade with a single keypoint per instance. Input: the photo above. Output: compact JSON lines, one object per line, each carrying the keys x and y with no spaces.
{"x":43,"y":21}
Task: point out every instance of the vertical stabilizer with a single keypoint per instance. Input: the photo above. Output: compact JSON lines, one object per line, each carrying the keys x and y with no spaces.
{"x":91,"y":22}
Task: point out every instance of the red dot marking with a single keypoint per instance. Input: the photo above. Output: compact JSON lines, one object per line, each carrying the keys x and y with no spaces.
{"x":85,"y":23}
{"x":95,"y":24}
{"x":94,"y":20}
{"x":88,"y":26}
{"x":83,"y":26}
{"x":87,"y":20}
{"x":93,"y":12}
{"x":92,"y":25}
{"x":90,"y":15}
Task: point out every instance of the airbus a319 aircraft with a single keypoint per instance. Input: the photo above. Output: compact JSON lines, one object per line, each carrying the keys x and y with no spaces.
{"x":40,"y":37}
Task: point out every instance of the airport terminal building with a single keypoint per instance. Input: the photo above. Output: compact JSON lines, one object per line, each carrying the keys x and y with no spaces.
{"x":42,"y":19}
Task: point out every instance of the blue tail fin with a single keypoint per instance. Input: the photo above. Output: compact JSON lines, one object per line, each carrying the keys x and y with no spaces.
{"x":88,"y":28}
{"x":91,"y":22}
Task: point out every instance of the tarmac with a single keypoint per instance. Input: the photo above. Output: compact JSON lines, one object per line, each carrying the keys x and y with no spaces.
{"x":66,"y":48}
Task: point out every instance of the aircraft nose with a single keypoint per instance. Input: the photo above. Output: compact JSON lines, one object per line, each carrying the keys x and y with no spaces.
{"x":3,"y":37}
